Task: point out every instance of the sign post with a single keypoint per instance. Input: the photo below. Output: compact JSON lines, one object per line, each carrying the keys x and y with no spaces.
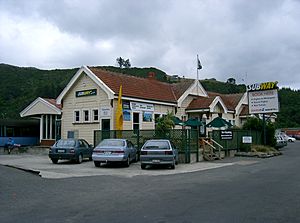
{"x":263,"y":99}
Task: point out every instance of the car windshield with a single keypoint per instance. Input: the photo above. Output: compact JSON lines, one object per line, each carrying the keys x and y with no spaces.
{"x":157,"y":145}
{"x":110,"y":142}
{"x":66,"y":143}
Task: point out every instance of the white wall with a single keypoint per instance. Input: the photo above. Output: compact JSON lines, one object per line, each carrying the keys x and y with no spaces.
{"x":71,"y":103}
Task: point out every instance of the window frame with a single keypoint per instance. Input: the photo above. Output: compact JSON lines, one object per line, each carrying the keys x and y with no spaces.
{"x":93,"y":115}
{"x":75,"y":116}
{"x":83,"y":115}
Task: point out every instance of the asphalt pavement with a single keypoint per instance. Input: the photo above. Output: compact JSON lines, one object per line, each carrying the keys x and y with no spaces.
{"x":248,"y":190}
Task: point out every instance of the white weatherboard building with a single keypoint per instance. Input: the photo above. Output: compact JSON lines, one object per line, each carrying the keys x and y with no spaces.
{"x":89,"y":102}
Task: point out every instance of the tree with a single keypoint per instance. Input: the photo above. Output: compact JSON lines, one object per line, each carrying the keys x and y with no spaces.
{"x":127,"y":63}
{"x":231,"y":81}
{"x":120,"y":61}
{"x":123,"y":63}
{"x":165,"y":123}
{"x":255,"y":123}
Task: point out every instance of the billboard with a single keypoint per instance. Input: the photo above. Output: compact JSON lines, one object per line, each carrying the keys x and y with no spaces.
{"x":263,"y":98}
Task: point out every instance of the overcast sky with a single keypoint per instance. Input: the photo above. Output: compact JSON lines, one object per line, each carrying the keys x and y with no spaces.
{"x":252,"y":41}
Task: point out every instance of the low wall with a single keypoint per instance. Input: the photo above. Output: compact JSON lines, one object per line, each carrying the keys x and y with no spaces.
{"x":23,"y":141}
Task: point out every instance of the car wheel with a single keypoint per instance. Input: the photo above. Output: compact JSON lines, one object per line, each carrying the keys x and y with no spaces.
{"x":143,"y":166}
{"x":127,"y":162}
{"x":97,"y":163}
{"x":79,"y":158}
{"x":55,"y":161}
{"x":173,"y":165}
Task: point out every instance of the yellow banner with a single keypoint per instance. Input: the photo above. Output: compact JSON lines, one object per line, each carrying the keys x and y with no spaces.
{"x":119,"y":113}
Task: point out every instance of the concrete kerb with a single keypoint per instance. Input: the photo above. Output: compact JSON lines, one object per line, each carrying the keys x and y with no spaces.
{"x":25,"y":169}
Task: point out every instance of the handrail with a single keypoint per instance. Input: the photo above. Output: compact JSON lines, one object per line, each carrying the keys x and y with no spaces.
{"x":209,"y":144}
{"x":217,"y":144}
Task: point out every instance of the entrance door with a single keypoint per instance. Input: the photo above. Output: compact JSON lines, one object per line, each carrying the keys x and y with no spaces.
{"x":136,"y":122}
{"x":105,"y":127}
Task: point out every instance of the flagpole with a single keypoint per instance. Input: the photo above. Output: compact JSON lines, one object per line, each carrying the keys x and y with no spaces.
{"x":197,"y":76}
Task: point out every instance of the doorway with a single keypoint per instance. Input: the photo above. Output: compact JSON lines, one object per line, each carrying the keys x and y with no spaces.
{"x":136,"y":122}
{"x":105,"y":127}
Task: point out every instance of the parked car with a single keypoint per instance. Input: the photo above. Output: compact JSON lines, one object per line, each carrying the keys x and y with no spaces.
{"x":290,"y":139}
{"x":114,"y":150}
{"x":70,"y":149}
{"x":280,"y":142}
{"x":159,"y":152}
{"x":287,"y":137}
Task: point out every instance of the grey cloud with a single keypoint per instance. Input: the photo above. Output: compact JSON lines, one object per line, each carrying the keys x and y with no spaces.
{"x":233,"y":38}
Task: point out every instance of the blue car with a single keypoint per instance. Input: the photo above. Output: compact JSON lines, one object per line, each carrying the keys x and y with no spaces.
{"x":70,"y":149}
{"x":114,"y":150}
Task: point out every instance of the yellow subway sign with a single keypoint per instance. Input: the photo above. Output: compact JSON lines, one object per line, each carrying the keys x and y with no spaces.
{"x":86,"y":93}
{"x":262,"y":86}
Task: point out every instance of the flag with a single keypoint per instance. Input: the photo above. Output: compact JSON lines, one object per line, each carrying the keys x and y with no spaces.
{"x":119,"y":113}
{"x":199,"y":66}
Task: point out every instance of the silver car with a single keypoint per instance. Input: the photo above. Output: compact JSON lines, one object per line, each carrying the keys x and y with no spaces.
{"x":159,"y":152}
{"x":114,"y":150}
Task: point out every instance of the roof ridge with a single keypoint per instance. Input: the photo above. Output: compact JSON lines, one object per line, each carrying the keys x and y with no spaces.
{"x":127,"y":75}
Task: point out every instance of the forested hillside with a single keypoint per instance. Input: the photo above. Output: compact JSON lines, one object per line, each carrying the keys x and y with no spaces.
{"x":289,"y":115}
{"x":20,"y":86}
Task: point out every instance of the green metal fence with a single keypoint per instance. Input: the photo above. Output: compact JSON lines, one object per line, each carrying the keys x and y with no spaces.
{"x":186,"y":140}
{"x":236,"y":142}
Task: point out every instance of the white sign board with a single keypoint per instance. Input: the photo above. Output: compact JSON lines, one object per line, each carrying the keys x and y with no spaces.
{"x":136,"y":106}
{"x":261,"y":102}
{"x":105,"y":112}
{"x":247,"y":139}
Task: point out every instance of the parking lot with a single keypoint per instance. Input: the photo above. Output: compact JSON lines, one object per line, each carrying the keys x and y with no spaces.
{"x":42,"y":165}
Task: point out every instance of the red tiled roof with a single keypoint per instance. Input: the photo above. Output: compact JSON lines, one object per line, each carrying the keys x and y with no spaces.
{"x":140,"y":87}
{"x":53,"y":102}
{"x":245,"y":110}
{"x":230,"y":100}
{"x":181,"y":87}
{"x":200,"y":103}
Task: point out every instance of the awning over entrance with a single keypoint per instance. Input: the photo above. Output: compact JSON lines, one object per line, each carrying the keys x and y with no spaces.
{"x":193,"y":122}
{"x":218,"y":122}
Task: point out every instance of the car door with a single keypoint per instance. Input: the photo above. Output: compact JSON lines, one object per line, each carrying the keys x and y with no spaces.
{"x":84,"y":148}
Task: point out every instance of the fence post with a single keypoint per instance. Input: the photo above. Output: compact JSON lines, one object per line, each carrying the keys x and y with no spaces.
{"x":138,"y":139}
{"x":95,"y":138}
{"x":197,"y":145}
{"x":185,"y":145}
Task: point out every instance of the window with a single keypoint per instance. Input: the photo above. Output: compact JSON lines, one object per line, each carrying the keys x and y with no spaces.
{"x":86,"y":115}
{"x":147,"y":116}
{"x":95,"y":115}
{"x":85,"y":144}
{"x":76,"y":116}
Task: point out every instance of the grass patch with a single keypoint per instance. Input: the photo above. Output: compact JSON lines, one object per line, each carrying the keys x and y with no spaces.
{"x":263,"y":149}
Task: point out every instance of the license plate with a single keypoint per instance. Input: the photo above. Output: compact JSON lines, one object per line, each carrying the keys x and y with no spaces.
{"x":60,"y":150}
{"x":155,"y":161}
{"x":107,"y":153}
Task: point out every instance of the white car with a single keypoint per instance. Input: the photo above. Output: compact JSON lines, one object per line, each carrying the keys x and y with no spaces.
{"x":290,"y":139}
